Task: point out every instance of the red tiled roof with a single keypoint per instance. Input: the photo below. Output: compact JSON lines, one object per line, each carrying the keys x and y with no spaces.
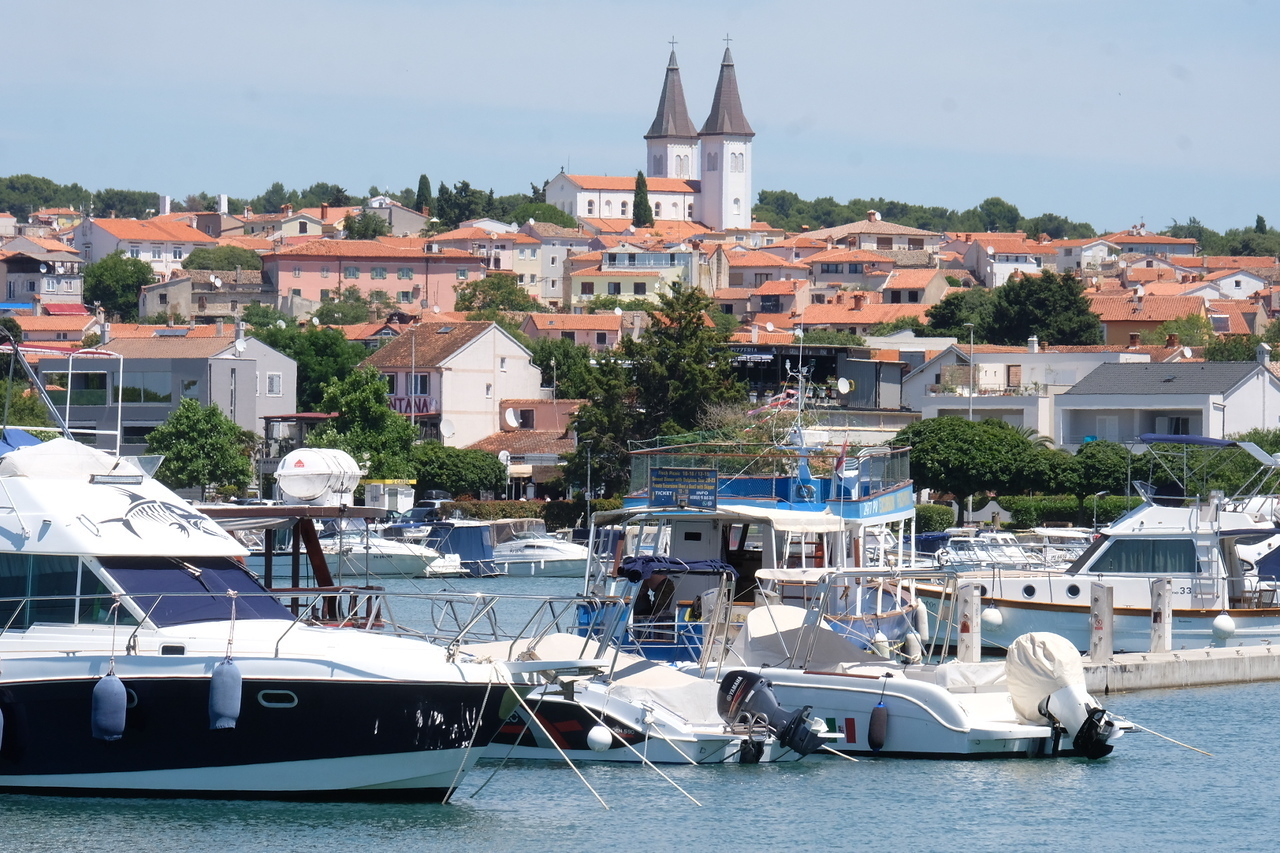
{"x":847,"y":256}
{"x":779,"y":321}
{"x":346,"y":249}
{"x":55,"y":323}
{"x":763,"y":337}
{"x":604,"y":322}
{"x":253,"y":244}
{"x":846,"y":314}
{"x":1153,"y":309}
{"x":596,"y":271}
{"x":1153,"y":239}
{"x":140,"y":330}
{"x":776,"y":288}
{"x":628,"y":184}
{"x":913,"y":279}
{"x":732,"y":293}
{"x":525,"y":441}
{"x":152,"y":230}
{"x":758,"y":258}
{"x":65,"y":309}
{"x":1238,"y":262}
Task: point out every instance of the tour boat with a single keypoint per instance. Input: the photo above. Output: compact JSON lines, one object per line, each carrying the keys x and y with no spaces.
{"x":523,"y":548}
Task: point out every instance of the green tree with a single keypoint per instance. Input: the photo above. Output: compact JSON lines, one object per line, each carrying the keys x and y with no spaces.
{"x":606,"y":425}
{"x":1194,"y":330}
{"x":1050,"y":306}
{"x":423,"y":201}
{"x":202,"y":447}
{"x":498,"y":291}
{"x":998,"y":215}
{"x":126,"y":204}
{"x":727,"y":323}
{"x":222,"y":258}
{"x":1232,"y":348}
{"x":339,"y":197}
{"x":1260,"y":225}
{"x":378,"y":437}
{"x":680,"y":364}
{"x":350,"y":308}
{"x":641,"y":210}
{"x":365,"y":226}
{"x":972,"y":305}
{"x":542,"y":212}
{"x":606,"y":302}
{"x":571,"y":375}
{"x":908,"y":322}
{"x":456,"y":471}
{"x":322,"y":355}
{"x":270,"y":201}
{"x":260,"y":315}
{"x":831,"y":337}
{"x":115,"y":282}
{"x":1103,"y":466}
{"x":20,"y":405}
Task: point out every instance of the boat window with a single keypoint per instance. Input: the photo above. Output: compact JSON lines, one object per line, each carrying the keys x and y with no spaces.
{"x":179,"y":591}
{"x":47,"y":585}
{"x":1147,"y":556}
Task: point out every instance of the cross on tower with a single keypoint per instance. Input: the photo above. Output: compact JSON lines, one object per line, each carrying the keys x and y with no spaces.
{"x":726,"y":41}
{"x":673,"y":43}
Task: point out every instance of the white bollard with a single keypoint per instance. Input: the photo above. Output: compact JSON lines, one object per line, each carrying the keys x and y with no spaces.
{"x":1162,"y":615}
{"x":969,"y":622}
{"x":1101,"y":623}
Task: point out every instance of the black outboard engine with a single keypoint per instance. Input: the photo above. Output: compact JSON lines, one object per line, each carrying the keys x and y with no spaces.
{"x":748,"y":697}
{"x":1092,"y":739}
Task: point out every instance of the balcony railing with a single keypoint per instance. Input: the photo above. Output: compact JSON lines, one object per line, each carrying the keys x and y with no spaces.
{"x":1035,"y":390}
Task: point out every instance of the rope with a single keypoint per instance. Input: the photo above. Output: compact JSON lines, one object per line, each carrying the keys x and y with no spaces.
{"x":231,"y":633}
{"x":649,"y":763}
{"x":115,"y":621}
{"x":457,"y":777}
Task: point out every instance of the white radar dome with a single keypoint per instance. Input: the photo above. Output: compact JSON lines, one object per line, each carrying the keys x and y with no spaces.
{"x":318,"y":476}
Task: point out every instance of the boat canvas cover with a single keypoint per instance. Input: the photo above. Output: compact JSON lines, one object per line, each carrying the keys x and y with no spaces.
{"x":639,"y":567}
{"x":785,"y":520}
{"x":64,"y":459}
{"x":776,"y":635}
{"x":1037,"y":665}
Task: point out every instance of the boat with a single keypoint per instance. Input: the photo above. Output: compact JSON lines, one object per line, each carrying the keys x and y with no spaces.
{"x":471,"y":541}
{"x":522,"y":547}
{"x":1218,"y":597}
{"x":358,"y":551}
{"x":140,"y":657}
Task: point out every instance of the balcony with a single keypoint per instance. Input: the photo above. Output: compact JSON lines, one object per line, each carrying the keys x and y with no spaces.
{"x":1033,"y":390}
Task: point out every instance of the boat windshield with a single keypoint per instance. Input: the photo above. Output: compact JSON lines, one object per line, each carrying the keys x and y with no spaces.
{"x":178,"y":591}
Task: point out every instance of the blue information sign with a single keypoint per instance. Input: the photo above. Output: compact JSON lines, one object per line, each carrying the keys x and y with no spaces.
{"x":695,"y":487}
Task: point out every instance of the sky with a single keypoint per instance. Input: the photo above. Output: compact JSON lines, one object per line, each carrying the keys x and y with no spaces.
{"x":1112,"y":113}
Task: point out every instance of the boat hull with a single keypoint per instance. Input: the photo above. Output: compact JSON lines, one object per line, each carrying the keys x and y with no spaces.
{"x":543,"y":568}
{"x":303,"y":739}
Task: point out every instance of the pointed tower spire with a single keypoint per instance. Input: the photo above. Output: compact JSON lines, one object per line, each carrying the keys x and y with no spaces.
{"x":672,"y":119}
{"x":726,"y":107}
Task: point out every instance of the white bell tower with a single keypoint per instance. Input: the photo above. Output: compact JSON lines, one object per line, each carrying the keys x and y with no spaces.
{"x":726,"y":156}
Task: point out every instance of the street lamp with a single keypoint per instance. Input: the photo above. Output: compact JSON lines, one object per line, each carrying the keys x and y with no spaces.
{"x":1095,"y":509}
{"x":587,"y":444}
{"x":971,"y":377}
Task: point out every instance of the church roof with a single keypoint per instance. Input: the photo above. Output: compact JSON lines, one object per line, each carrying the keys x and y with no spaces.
{"x":726,"y":117}
{"x":672,"y":119}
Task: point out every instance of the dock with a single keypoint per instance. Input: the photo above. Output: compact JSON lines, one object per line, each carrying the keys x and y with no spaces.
{"x":1185,"y":668}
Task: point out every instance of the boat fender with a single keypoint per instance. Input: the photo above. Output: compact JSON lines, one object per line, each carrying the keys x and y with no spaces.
{"x":922,"y":620}
{"x":878,"y":728}
{"x":1,"y":728}
{"x":599,"y":738}
{"x":992,"y":618}
{"x":1224,"y":627}
{"x":751,"y":751}
{"x":109,"y":702}
{"x":747,"y":697}
{"x":880,"y":644}
{"x":224,"y":695}
{"x":912,"y":649}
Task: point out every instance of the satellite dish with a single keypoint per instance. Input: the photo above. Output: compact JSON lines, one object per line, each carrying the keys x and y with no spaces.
{"x":217,"y":282}
{"x":435,"y":309}
{"x":510,"y":417}
{"x":315,"y":321}
{"x":799,"y":334}
{"x":504,"y":457}
{"x":280,"y":324}
{"x":618,"y":310}
{"x":446,"y":428}
{"x":843,"y":385}
{"x":44,"y":268}
{"x":240,"y":344}
{"x":768,"y":327}
{"x":1122,"y":263}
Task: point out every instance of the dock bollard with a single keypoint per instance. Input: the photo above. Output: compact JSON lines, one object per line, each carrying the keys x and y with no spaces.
{"x":1101,"y":623}
{"x":969,"y":622}
{"x":1162,"y":615}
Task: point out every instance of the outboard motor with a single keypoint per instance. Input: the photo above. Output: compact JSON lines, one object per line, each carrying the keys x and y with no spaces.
{"x":1046,"y":682}
{"x":747,"y":696}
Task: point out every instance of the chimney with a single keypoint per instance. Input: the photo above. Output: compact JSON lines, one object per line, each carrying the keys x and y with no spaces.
{"x":240,"y":331}
{"x":105,"y":334}
{"x":218,"y":330}
{"x":1135,"y":340}
{"x":324,"y":212}
{"x":1171,"y":342}
{"x":286,"y":209}
{"x":755,"y":334}
{"x":858,"y":300}
{"x":1033,"y":344}
{"x":873,"y":216}
{"x":1263,"y":353}
{"x":222,"y":204}
{"x":248,"y":211}
{"x":169,"y":321}
{"x":804,"y":228}
{"x":166,"y":205}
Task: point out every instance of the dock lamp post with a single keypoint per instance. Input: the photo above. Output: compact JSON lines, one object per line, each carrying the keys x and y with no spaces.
{"x":1095,"y":509}
{"x":971,"y":377}
{"x":587,"y":444}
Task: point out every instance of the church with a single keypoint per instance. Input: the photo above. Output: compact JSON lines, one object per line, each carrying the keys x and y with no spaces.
{"x":701,"y":177}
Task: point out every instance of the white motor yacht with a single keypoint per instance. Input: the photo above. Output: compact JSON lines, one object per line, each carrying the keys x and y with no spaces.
{"x":522,"y":547}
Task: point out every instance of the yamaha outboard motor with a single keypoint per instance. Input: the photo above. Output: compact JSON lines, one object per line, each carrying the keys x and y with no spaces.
{"x":748,"y":697}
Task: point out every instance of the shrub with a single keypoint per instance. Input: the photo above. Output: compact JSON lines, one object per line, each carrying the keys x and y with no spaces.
{"x":560,"y":514}
{"x":934,"y":518}
{"x":1037,"y":511}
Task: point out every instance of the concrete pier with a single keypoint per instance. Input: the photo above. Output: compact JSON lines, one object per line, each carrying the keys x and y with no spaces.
{"x":1185,"y":668}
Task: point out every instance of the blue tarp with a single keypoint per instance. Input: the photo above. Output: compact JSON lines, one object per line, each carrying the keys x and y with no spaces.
{"x":13,"y":438}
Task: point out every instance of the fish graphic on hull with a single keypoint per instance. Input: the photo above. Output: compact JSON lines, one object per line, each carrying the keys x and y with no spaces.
{"x":171,"y":515}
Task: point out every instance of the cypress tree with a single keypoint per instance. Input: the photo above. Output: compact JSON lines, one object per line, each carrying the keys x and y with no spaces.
{"x":423,"y":198}
{"x":641,"y":211}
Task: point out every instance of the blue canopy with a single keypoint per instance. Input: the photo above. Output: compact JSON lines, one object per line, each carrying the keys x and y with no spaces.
{"x":1202,"y":441}
{"x":639,"y":567}
{"x":11,"y":438}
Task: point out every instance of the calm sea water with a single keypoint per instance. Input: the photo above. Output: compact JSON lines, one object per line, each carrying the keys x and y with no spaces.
{"x":1149,"y":795}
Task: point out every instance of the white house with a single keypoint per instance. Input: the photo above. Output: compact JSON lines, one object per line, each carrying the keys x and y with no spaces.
{"x":1083,"y":256}
{"x":162,"y":244}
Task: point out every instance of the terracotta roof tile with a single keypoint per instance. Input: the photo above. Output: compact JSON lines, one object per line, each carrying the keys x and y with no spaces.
{"x":628,"y":184}
{"x":731,"y":293}
{"x":1146,"y":238}
{"x":427,"y":345}
{"x":346,"y":249}
{"x":153,"y":231}
{"x":604,"y":322}
{"x":757,"y":258}
{"x":526,"y":441}
{"x":1153,"y":309}
{"x":847,"y":256}
{"x":776,"y":288}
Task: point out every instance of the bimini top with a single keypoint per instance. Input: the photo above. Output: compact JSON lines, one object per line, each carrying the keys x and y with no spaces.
{"x":794,"y":520}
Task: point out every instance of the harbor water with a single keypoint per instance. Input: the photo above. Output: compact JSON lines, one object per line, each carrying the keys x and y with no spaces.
{"x":1149,"y":795}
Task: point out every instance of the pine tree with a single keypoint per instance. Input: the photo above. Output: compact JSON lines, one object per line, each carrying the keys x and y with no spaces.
{"x":422,"y":201}
{"x":641,"y":211}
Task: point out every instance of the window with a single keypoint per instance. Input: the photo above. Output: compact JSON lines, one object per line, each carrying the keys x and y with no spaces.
{"x":553,"y":260}
{"x":602,"y":338}
{"x":726,"y":308}
{"x":324,"y":272}
{"x":526,"y":419}
{"x":391,"y":383}
{"x":624,"y":209}
{"x":855,"y":269}
{"x":713,"y":161}
{"x":31,"y":287}
{"x":569,"y":336}
{"x":302,"y":228}
{"x":42,"y":578}
{"x":1239,"y":283}
{"x":913,"y":296}
{"x":1165,"y":556}
{"x":275,"y":384}
{"x":420,"y":383}
{"x":60,"y":336}
{"x":831,"y":269}
{"x":520,"y":278}
{"x":157,"y":252}
{"x":164,"y":298}
{"x":177,"y":253}
{"x":147,"y":387}
{"x":297,"y":272}
{"x":204,"y":303}
{"x":297,"y":291}
{"x":737,"y":206}
{"x":762,"y":277}
{"x":884,"y":242}
{"x":533,"y":253}
{"x":404,"y":296}
{"x":657,"y":210}
{"x":639,"y":288}
{"x":324,"y":295}
{"x":690,"y":213}
{"x":488,"y":390}
{"x":615,"y":288}
{"x":608,"y":207}
{"x":135,"y":251}
{"x":405,"y":273}
{"x":915,"y":243}
{"x":771,"y":304}
{"x":591,"y":207}
{"x":51,"y":285}
{"x":350,"y":272}
{"x":502,"y":364}
{"x":378,"y":272}
{"x":1067,"y":251}
{"x":189,"y":388}
{"x":462,"y":273}
{"x":588,"y":288}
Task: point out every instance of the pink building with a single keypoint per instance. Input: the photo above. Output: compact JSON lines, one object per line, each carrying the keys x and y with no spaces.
{"x":411,"y":278}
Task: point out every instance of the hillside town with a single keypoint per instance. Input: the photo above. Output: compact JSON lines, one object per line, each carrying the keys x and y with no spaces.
{"x":854,"y":309}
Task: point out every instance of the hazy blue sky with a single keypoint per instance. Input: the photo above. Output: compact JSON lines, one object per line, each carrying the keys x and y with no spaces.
{"x":1108,"y":112}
